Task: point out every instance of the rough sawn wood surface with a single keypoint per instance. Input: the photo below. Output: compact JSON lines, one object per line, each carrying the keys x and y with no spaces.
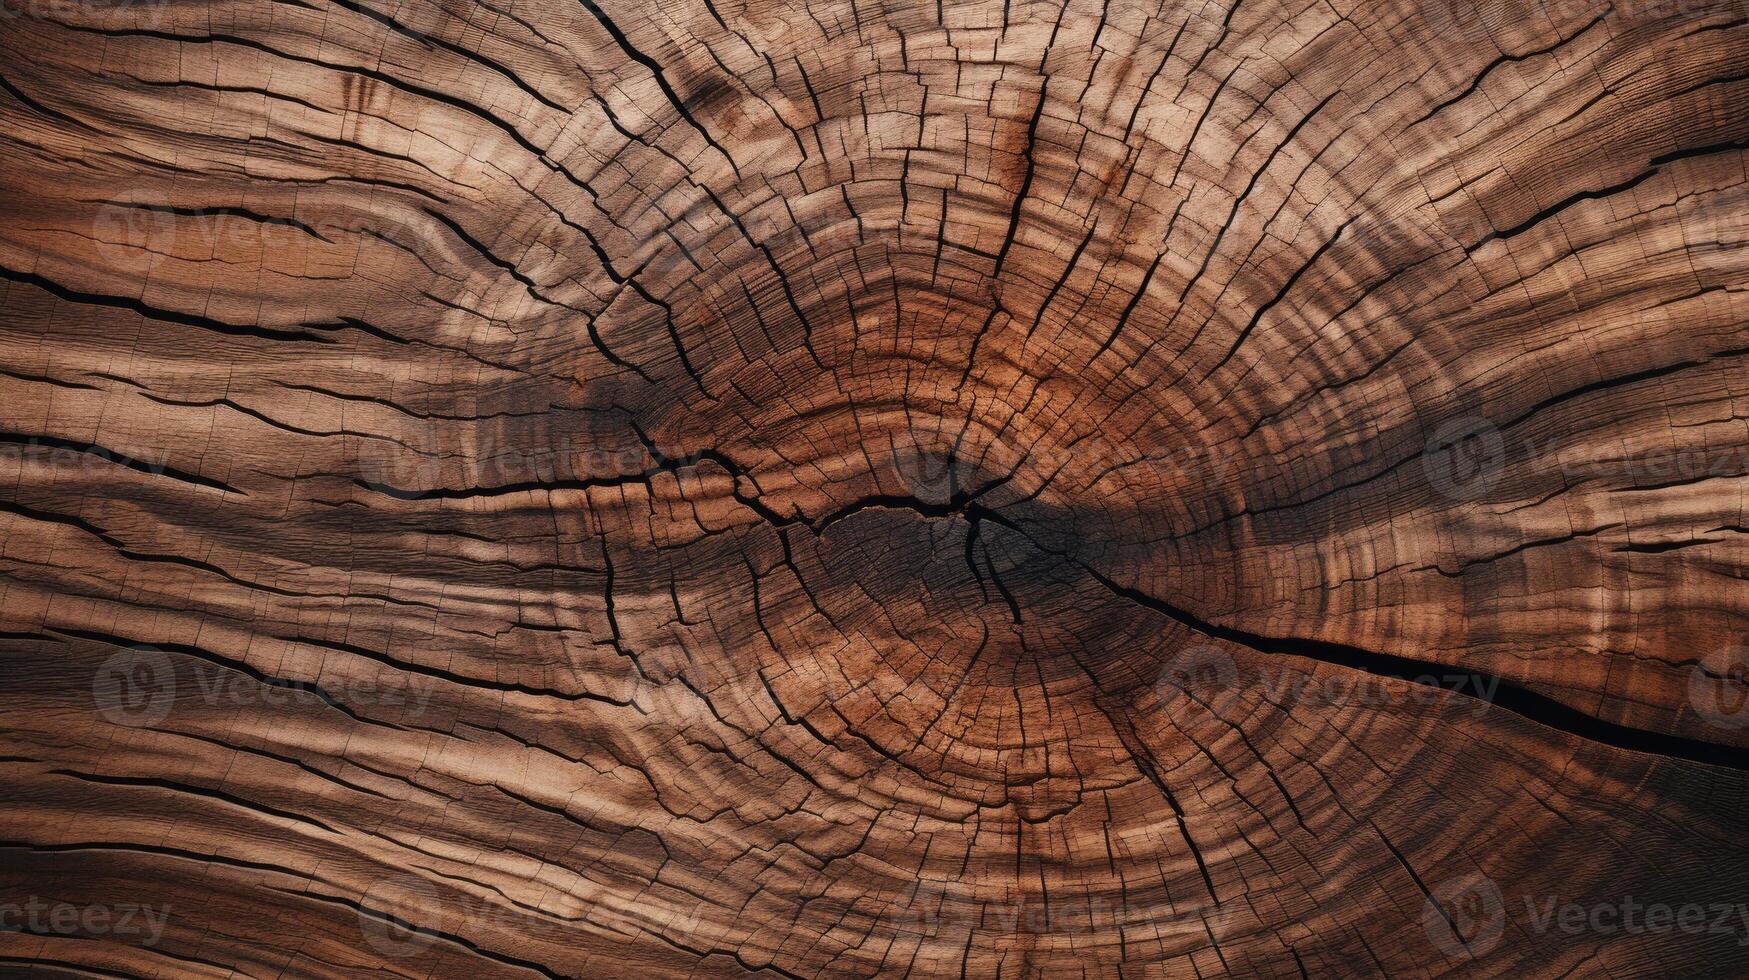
{"x":969,"y":488}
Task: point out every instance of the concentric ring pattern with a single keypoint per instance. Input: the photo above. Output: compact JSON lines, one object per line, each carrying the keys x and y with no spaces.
{"x":863,"y":487}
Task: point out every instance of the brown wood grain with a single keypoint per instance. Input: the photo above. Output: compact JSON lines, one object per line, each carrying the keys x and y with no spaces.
{"x":843,"y":488}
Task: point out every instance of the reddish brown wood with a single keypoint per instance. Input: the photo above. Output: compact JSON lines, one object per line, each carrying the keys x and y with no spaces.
{"x":868,"y":487}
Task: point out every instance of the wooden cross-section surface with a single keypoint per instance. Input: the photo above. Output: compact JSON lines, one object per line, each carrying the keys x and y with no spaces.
{"x":850,"y":488}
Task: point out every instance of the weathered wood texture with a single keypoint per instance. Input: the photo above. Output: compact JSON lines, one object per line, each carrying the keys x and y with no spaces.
{"x":874,"y":486}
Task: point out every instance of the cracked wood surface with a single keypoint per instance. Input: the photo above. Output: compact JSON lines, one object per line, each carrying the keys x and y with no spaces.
{"x":866,"y":487}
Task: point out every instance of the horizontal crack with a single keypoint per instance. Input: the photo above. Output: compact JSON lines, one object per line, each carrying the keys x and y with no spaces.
{"x":1517,"y":698}
{"x":1520,"y":700}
